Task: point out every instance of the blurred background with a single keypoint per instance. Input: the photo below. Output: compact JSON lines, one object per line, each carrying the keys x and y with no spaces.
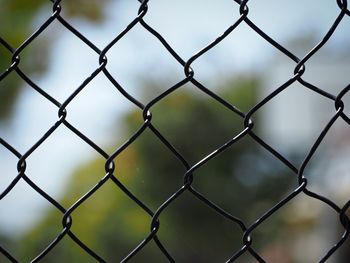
{"x":245,"y":180}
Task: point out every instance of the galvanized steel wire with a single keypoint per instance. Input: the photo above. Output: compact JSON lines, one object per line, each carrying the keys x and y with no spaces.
{"x":188,"y":177}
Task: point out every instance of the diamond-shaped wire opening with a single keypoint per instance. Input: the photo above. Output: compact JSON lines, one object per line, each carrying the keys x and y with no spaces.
{"x":19,"y":216}
{"x":327,"y":171}
{"x":187,"y":240}
{"x":97,"y":112}
{"x":32,"y":111}
{"x":94,"y":220}
{"x":82,"y":62}
{"x":240,"y":180}
{"x":294,"y":114}
{"x":323,"y":66}
{"x":283,"y":24}
{"x":116,"y":17}
{"x":204,"y":29}
{"x":183,"y":118}
{"x":269,"y":239}
{"x":55,"y":152}
{"x":137,"y":167}
{"x":139,"y":50}
{"x":306,"y":227}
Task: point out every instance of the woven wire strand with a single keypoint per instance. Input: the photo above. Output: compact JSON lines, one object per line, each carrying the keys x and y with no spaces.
{"x":146,"y":110}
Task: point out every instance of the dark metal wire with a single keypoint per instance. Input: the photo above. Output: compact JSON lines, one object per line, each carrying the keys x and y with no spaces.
{"x":248,"y":130}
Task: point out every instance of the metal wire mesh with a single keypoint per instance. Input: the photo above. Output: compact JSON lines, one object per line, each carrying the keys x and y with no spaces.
{"x":188,"y":177}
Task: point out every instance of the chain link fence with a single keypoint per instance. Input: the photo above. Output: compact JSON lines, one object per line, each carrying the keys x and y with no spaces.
{"x":247,"y":231}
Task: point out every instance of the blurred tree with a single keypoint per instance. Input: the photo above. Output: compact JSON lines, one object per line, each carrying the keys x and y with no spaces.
{"x":17,"y":24}
{"x":244,"y":180}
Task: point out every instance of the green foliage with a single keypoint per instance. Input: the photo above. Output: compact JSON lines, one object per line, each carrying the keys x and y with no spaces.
{"x":244,"y":180}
